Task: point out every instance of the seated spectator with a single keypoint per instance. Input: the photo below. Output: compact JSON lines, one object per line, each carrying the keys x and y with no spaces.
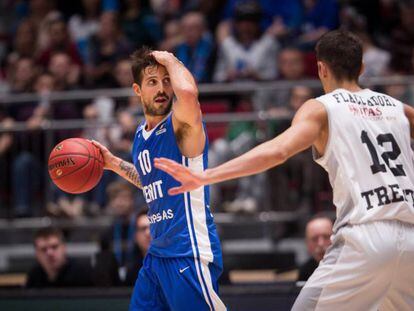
{"x":172,"y":35}
{"x":59,"y":41}
{"x":53,"y":267}
{"x":291,"y":66}
{"x":6,"y":143}
{"x":376,"y":60}
{"x":22,"y":75}
{"x":84,"y":25}
{"x":318,"y":239}
{"x":121,"y":235}
{"x":105,"y":49}
{"x":142,"y":243}
{"x":27,"y":163}
{"x":65,"y":73}
{"x":283,"y":16}
{"x":247,"y":54}
{"x":402,"y":39}
{"x":197,"y":50}
{"x":137,"y":16}
{"x":24,"y":43}
{"x":319,"y":17}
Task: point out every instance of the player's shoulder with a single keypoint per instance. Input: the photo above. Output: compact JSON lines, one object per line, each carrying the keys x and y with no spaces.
{"x":312,"y":109}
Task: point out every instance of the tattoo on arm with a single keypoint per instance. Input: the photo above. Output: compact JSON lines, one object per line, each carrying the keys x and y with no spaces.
{"x":131,"y":173}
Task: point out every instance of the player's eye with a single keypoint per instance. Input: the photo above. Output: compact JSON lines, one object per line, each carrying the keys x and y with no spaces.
{"x":167,"y":81}
{"x":152,"y":82}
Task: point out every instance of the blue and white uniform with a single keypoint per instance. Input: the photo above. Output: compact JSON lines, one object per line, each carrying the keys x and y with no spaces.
{"x":184,"y":260}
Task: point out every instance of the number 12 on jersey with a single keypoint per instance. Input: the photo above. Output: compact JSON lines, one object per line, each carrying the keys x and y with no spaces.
{"x":393,"y":154}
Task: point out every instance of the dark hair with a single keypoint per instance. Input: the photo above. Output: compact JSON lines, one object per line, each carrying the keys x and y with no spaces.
{"x":143,"y":211}
{"x":141,"y":59}
{"x":342,"y":52}
{"x":47,"y":232}
{"x":248,"y":11}
{"x":117,"y":187}
{"x":320,"y":216}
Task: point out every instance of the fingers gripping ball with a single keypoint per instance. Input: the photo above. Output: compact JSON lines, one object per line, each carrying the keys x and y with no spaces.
{"x":75,"y":165}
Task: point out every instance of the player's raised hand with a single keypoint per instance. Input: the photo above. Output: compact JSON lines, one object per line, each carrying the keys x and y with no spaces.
{"x":163,"y":57}
{"x":189,"y":180}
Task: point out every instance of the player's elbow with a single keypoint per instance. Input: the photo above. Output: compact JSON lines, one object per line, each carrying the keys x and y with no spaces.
{"x":279,"y":156}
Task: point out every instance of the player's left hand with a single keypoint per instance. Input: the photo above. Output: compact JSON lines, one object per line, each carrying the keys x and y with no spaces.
{"x":189,"y":180}
{"x":163,"y":57}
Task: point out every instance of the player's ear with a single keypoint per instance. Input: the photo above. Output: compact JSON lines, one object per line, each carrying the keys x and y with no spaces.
{"x":136,"y":88}
{"x":322,"y":70}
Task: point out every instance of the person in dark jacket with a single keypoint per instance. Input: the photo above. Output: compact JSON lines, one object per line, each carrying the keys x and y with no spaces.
{"x":53,"y":267}
{"x":142,"y":242}
{"x":318,"y":239}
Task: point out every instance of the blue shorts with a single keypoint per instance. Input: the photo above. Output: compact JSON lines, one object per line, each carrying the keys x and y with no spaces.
{"x":176,"y":284}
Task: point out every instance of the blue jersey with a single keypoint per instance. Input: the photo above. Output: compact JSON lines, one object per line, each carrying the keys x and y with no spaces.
{"x":181,"y":225}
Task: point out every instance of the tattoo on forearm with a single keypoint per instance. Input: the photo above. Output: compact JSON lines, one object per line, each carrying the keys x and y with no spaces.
{"x":131,"y":173}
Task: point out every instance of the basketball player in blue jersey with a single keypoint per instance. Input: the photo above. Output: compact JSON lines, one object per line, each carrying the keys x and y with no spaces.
{"x":183,"y":264}
{"x":362,"y":138}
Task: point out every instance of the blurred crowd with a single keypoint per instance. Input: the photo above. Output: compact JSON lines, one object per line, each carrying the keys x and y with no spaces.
{"x":48,"y":46}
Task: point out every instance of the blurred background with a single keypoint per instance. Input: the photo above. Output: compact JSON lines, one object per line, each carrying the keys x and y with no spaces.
{"x":65,"y":72}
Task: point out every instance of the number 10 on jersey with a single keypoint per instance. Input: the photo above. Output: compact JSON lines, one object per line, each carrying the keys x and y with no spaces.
{"x":144,"y":162}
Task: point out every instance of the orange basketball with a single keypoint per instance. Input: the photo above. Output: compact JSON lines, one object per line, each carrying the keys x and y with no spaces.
{"x":75,"y":165}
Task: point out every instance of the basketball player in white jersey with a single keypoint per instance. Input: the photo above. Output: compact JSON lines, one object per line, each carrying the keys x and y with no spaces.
{"x":362,"y":139}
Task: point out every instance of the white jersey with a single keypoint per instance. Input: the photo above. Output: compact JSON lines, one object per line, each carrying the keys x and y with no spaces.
{"x":368,"y":157}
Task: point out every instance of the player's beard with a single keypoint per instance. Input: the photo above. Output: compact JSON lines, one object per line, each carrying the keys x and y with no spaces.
{"x":151,"y":109}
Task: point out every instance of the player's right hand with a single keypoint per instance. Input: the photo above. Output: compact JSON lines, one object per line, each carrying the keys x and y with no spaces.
{"x":189,"y":180}
{"x":108,"y":157}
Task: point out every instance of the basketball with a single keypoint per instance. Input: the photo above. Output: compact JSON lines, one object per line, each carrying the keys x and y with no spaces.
{"x":75,"y":165}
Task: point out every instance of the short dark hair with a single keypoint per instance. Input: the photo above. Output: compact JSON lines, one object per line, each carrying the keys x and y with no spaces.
{"x":117,"y":187}
{"x":342,"y":52}
{"x":143,"y":211}
{"x":47,"y":232}
{"x":141,"y":59}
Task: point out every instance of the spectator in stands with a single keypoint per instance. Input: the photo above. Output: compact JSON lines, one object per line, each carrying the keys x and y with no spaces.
{"x":59,"y":41}
{"x":26,"y":162}
{"x":247,"y":54}
{"x":137,"y":16}
{"x":39,"y":9}
{"x":172,"y":35}
{"x":6,"y":142}
{"x":318,"y":239}
{"x":121,"y":235}
{"x":24,"y":43}
{"x":283,"y":16}
{"x":197,"y":50}
{"x":294,"y":186}
{"x":65,"y":73}
{"x":402,"y":39}
{"x":53,"y":267}
{"x":84,"y":25}
{"x":22,"y":75}
{"x":123,"y":74}
{"x":105,"y":48}
{"x":142,"y":243}
{"x":291,"y":65}
{"x":376,"y":60}
{"x":319,"y":17}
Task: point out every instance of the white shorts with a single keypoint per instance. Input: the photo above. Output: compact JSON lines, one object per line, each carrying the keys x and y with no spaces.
{"x":368,"y":267}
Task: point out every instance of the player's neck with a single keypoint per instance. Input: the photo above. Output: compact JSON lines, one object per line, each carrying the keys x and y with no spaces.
{"x":152,"y":121}
{"x":351,"y":86}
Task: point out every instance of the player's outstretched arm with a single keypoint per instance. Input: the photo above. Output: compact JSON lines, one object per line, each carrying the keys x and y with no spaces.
{"x":187,"y":117}
{"x":308,"y":127}
{"x":123,"y":168}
